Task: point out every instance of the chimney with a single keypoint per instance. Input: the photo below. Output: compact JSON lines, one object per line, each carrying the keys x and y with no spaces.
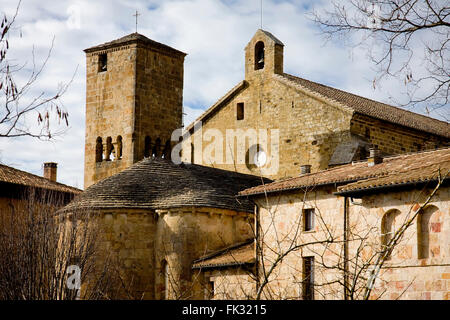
{"x":50,"y":170}
{"x":304,"y":169}
{"x":374,"y":156}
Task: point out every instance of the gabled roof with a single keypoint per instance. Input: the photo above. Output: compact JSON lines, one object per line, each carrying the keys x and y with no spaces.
{"x":372,"y":108}
{"x":133,"y":38}
{"x":414,"y":167}
{"x":18,"y":177}
{"x":156,"y":183}
{"x":270,"y":36}
{"x":347,"y":101}
{"x":242,"y":253}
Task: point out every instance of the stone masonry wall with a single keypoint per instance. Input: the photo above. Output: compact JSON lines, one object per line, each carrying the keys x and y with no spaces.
{"x":140,"y":95}
{"x":138,"y":241}
{"x":309,"y":128}
{"x":109,"y":110}
{"x":393,"y":139}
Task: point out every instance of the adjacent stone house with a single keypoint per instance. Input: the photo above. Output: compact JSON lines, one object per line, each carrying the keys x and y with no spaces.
{"x":18,"y":188}
{"x":322,"y":232}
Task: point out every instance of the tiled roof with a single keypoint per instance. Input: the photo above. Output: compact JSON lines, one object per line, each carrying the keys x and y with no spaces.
{"x":373,"y":108}
{"x":19,"y":177}
{"x":429,"y":171}
{"x":237,"y":254}
{"x":134,"y":37}
{"x":155,"y":183}
{"x":395,"y":170}
{"x":349,"y":101}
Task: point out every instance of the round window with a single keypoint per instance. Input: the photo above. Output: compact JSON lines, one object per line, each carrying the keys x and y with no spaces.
{"x":255,"y":157}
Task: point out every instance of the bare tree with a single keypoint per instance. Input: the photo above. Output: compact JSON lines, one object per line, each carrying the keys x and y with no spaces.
{"x":20,"y":105}
{"x":40,"y":252}
{"x":399,"y":36}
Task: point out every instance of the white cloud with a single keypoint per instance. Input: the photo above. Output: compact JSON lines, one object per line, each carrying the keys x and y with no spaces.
{"x":213,"y":33}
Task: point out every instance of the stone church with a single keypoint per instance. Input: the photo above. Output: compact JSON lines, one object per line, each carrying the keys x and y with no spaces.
{"x":181,"y":228}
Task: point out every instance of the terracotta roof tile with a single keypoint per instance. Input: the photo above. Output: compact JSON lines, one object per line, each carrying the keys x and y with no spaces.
{"x":19,"y":177}
{"x":428,"y":172}
{"x":237,"y":254}
{"x":393,"y":169}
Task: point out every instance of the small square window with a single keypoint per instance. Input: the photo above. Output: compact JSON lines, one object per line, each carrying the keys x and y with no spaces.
{"x":240,"y":111}
{"x":308,"y":219}
{"x":102,"y":62}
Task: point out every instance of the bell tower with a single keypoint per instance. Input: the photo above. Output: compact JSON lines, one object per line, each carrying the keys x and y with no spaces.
{"x":134,"y":96}
{"x":263,"y":54}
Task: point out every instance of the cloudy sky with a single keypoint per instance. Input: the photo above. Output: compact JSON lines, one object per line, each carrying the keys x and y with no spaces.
{"x":212,"y":32}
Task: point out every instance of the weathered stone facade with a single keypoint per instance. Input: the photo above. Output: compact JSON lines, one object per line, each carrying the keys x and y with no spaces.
{"x":311,"y":125}
{"x":132,"y":105}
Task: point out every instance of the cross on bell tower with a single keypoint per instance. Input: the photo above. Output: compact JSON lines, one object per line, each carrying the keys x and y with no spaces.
{"x":136,"y":16}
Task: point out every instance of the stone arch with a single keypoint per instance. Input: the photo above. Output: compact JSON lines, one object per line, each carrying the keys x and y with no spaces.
{"x":109,"y":148}
{"x":99,"y":150}
{"x":147,"y":146}
{"x":428,"y":229}
{"x":119,"y":147}
{"x":167,"y":150}
{"x":389,"y":222}
{"x":259,"y":55}
{"x":156,"y":148}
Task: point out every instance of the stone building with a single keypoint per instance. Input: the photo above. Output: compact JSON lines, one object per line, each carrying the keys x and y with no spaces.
{"x":134,"y":95}
{"x":318,"y":125}
{"x":178,"y":229}
{"x":340,"y":219}
{"x":16,"y":187}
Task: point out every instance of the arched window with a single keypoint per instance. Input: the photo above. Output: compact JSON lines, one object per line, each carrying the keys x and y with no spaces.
{"x":99,"y":150}
{"x":167,"y":150}
{"x":147,"y":146}
{"x":389,"y":222}
{"x":259,"y":55}
{"x":109,"y":148}
{"x":156,"y":148}
{"x":428,"y":229}
{"x":119,"y":147}
{"x":164,"y":272}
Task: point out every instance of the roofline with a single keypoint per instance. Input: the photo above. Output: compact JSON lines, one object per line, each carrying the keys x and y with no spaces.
{"x":223,"y":100}
{"x":219,"y":252}
{"x":224,"y":265}
{"x":108,"y":45}
{"x":300,"y":187}
{"x":357,"y":193}
{"x":54,"y":183}
{"x":285,"y":76}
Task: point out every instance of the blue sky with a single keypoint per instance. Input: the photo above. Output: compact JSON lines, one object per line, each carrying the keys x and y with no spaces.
{"x":213,"y":33}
